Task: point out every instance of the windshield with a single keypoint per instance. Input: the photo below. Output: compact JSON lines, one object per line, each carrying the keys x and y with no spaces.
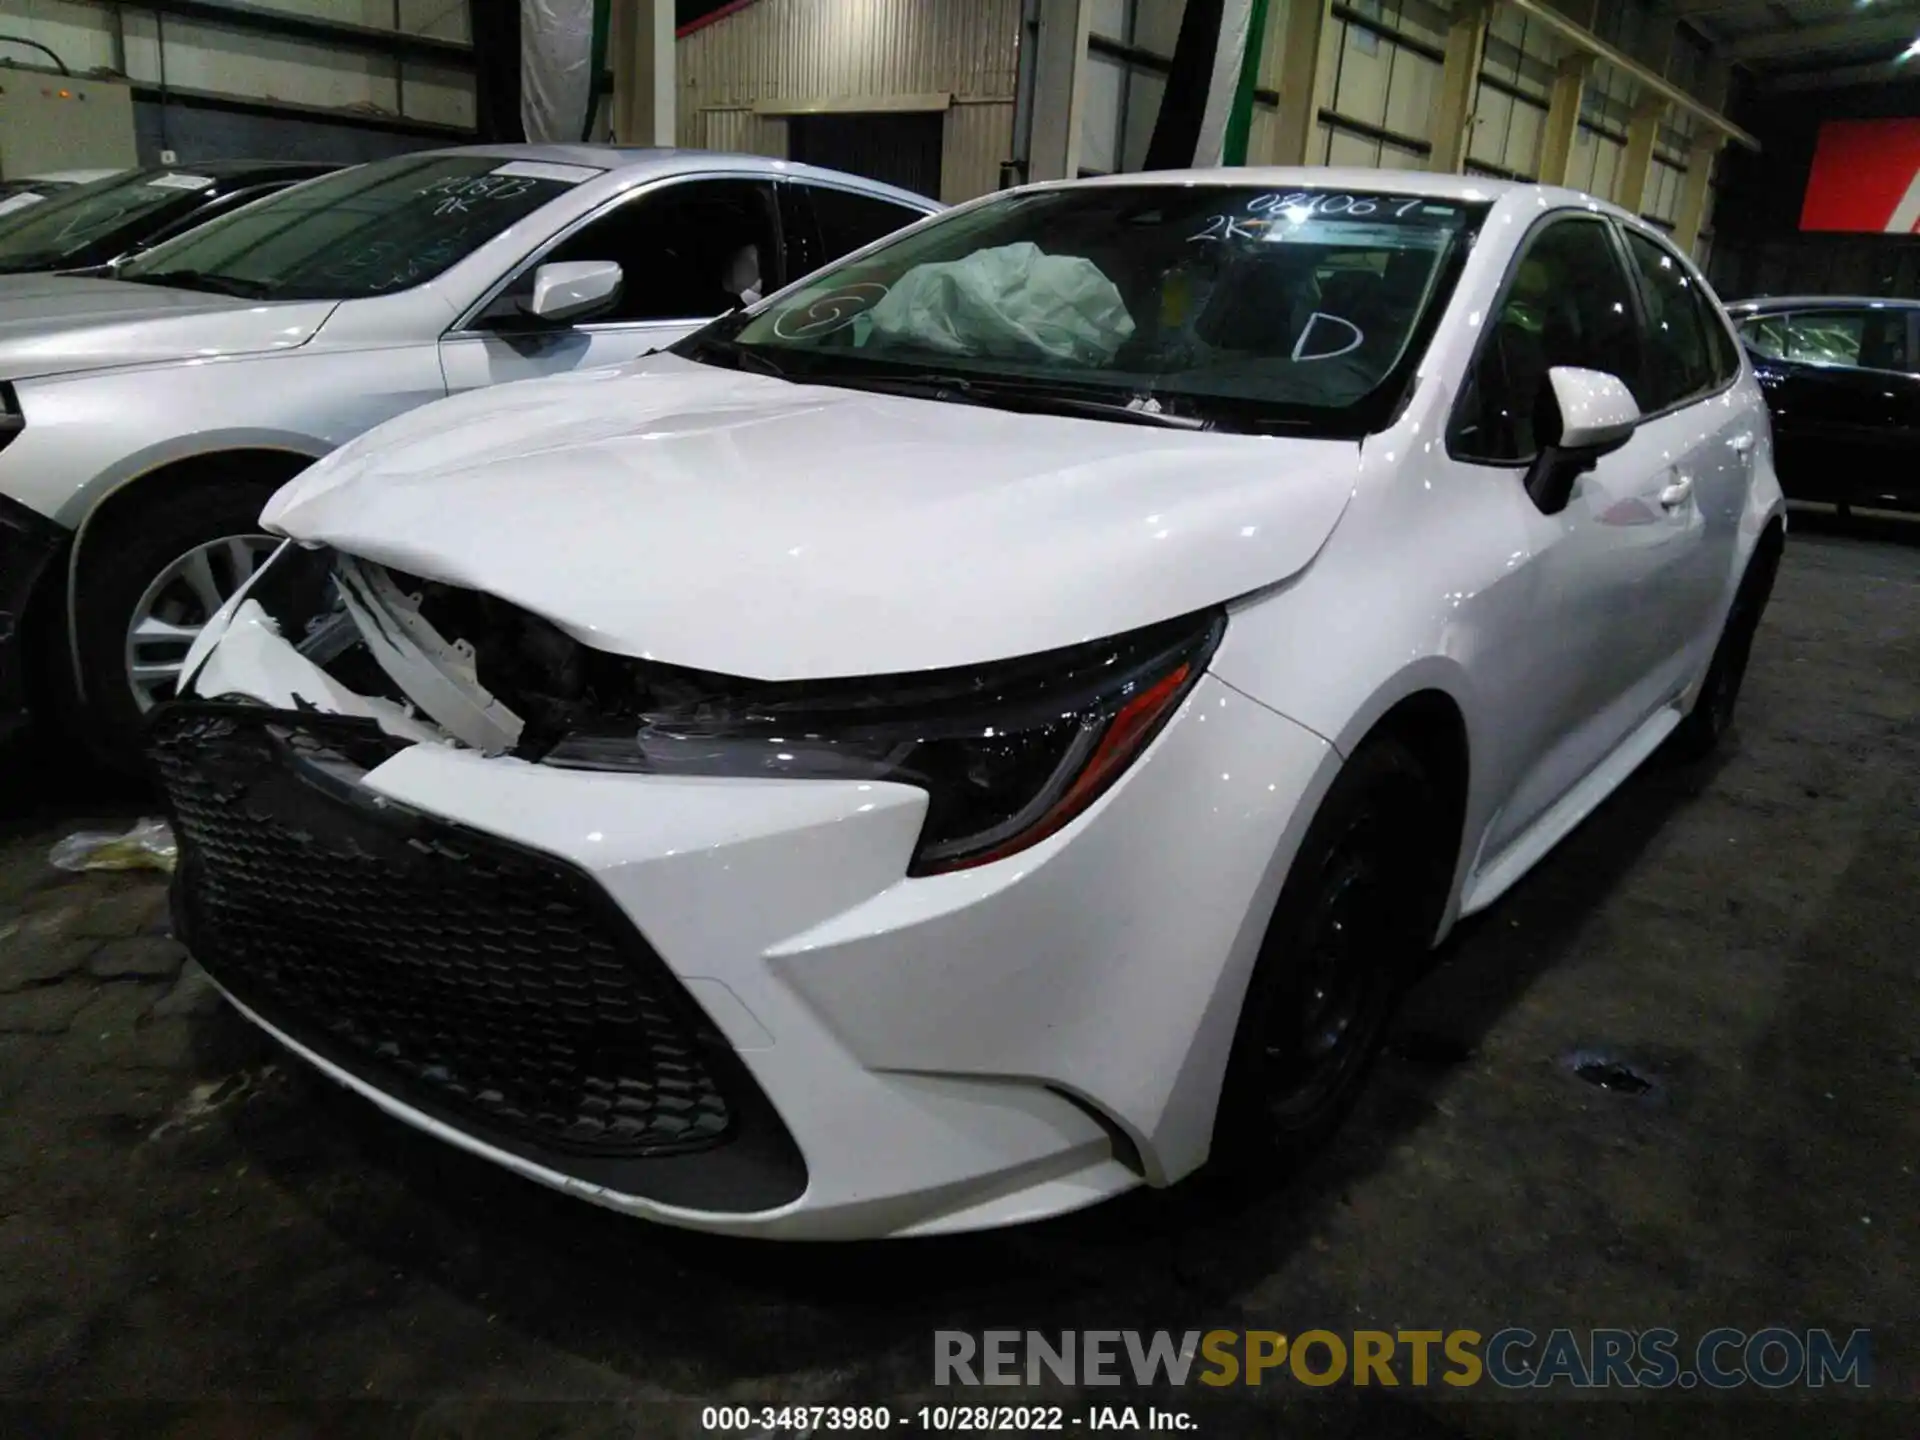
{"x":366,"y":231}
{"x":1232,"y":306}
{"x":86,"y":224}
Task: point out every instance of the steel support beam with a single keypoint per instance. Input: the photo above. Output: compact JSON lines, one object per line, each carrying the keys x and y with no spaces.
{"x":641,"y":44}
{"x":1459,"y":85}
{"x":1563,"y":118}
{"x":1059,"y":89}
{"x":1298,"y":115}
{"x":1584,"y":40}
{"x":1695,"y":189}
{"x":1636,"y":166}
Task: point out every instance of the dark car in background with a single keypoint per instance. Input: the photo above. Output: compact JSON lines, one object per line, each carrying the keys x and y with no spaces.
{"x":1842,"y":381}
{"x":93,"y":225}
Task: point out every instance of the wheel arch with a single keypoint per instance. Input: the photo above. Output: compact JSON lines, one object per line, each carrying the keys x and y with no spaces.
{"x":1425,"y":714}
{"x":276,"y":459}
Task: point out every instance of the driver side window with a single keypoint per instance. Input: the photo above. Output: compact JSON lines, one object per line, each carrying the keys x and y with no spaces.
{"x":686,"y":252}
{"x":1566,"y":302}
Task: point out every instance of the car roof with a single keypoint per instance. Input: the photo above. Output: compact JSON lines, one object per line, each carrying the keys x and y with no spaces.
{"x":1769,"y":304}
{"x":1327,"y":177}
{"x":1470,"y":189}
{"x":661,"y":161}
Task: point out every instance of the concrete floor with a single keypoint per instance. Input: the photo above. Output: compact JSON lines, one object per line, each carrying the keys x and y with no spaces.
{"x":191,"y":1222}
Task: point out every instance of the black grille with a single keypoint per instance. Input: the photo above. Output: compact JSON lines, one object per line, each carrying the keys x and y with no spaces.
{"x":500,"y":983}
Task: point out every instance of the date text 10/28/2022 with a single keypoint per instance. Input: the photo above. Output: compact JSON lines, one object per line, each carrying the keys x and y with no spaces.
{"x":939,"y":1419}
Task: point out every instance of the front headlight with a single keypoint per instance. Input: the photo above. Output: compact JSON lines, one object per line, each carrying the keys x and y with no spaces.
{"x":1008,"y":753}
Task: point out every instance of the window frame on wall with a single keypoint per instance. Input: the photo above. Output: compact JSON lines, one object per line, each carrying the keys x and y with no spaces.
{"x":1350,"y":17}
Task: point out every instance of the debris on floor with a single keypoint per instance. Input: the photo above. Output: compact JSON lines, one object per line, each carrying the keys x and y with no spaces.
{"x":148,"y":845}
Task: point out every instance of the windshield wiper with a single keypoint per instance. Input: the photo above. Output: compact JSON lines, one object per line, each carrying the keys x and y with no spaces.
{"x":1134,"y":409}
{"x":201,"y":280}
{"x":740,"y":357}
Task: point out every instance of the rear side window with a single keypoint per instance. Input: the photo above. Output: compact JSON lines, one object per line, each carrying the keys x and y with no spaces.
{"x":1680,"y":362}
{"x":1866,"y":339}
{"x":1766,"y":335}
{"x":848,"y":221}
{"x":1567,"y":302}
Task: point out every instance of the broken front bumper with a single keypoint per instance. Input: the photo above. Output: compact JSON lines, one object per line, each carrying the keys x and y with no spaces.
{"x":539,"y":963}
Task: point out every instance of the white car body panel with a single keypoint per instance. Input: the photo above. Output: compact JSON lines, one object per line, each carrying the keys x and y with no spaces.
{"x":1039,"y":1032}
{"x":1061,"y":520}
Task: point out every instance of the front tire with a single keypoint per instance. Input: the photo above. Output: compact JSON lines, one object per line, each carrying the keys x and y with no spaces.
{"x":149,"y":579}
{"x":1357,"y":912}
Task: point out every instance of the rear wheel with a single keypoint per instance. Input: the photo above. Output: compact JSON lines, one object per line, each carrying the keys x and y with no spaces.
{"x":149,"y":580}
{"x":1355,"y":915}
{"x":1712,"y":713}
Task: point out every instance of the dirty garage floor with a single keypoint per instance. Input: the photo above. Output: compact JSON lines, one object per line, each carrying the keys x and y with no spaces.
{"x":191,"y":1225}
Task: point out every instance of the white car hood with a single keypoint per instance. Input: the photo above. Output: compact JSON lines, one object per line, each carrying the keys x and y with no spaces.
{"x":745,"y":525}
{"x":58,"y":324}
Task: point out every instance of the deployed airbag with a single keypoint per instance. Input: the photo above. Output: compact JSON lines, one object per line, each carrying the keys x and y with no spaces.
{"x":1014,"y":302}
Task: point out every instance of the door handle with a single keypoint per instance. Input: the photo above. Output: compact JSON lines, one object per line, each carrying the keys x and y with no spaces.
{"x":1675,"y":495}
{"x":1741,"y":443}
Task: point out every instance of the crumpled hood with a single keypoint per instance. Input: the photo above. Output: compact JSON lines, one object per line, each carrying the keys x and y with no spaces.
{"x":58,"y":324}
{"x":741,"y":524}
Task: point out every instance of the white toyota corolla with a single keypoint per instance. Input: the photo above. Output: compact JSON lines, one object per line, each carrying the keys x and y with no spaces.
{"x":996,"y":723}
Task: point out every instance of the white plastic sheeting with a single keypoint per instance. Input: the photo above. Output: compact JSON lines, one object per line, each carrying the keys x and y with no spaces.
{"x":556,"y":63}
{"x":1015,"y":301}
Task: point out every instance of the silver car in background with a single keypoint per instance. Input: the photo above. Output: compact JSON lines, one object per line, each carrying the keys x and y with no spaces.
{"x":145,"y":419}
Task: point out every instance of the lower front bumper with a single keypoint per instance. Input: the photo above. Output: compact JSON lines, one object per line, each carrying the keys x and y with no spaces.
{"x":29,"y":542}
{"x":945,"y":1053}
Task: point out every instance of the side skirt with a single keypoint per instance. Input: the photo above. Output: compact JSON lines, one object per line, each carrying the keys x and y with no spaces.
{"x":1494,"y":877}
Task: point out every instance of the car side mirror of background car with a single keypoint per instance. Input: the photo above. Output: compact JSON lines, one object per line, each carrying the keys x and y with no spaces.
{"x":1579,"y":416}
{"x":571,"y":290}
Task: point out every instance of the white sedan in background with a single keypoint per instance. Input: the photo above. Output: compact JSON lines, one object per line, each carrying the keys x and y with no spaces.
{"x":146,"y":416}
{"x":993,"y":725}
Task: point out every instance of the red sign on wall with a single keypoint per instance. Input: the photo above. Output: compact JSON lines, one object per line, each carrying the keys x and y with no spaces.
{"x":1866,"y":176}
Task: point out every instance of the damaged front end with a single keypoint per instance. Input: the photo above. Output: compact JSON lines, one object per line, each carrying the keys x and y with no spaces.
{"x":1006,"y":753}
{"x":493,"y":988}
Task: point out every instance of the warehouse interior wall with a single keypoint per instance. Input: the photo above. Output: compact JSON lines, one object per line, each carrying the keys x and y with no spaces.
{"x":1377,"y":83}
{"x":254,"y":88}
{"x":745,"y":76}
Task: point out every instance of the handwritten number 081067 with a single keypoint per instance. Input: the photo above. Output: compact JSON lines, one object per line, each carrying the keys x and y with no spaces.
{"x":1315,"y":203}
{"x":1232,"y":227}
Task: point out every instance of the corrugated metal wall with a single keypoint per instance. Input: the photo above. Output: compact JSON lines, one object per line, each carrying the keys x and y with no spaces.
{"x":798,"y":52}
